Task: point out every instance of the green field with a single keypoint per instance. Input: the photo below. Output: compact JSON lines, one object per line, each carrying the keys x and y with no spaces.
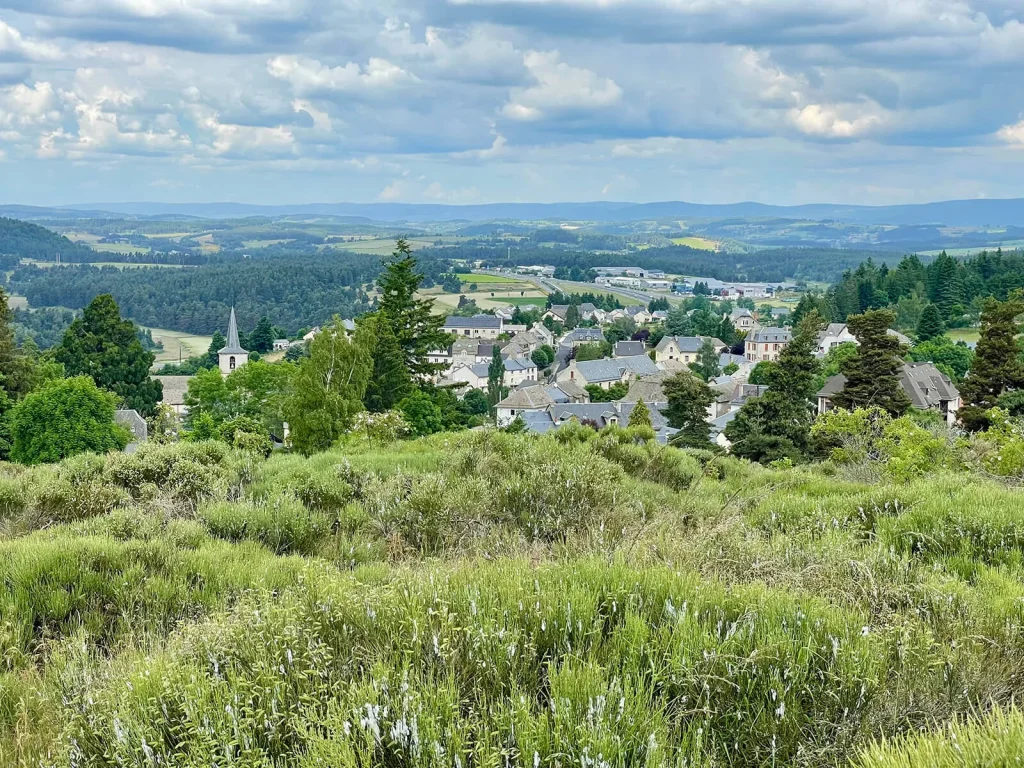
{"x":119,"y":248}
{"x":527,"y":301}
{"x":699,"y":243}
{"x":468,"y":277}
{"x":17,"y":302}
{"x":969,"y":335}
{"x":177,"y":343}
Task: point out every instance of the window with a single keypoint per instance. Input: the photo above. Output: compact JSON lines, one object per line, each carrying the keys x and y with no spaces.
{"x":231,"y":363}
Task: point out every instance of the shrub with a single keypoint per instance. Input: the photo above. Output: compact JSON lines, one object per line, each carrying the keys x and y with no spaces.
{"x":284,"y":526}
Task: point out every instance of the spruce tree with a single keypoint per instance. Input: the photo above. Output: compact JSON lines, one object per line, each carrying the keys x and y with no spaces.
{"x":688,"y":401}
{"x":572,"y":317}
{"x":997,"y":368}
{"x":390,"y":381}
{"x":262,"y":337}
{"x":778,"y":424}
{"x":931,"y":325}
{"x":102,"y":345}
{"x":416,"y":327}
{"x":873,"y":374}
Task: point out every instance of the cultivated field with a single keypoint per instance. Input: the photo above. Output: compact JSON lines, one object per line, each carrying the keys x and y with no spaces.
{"x":700,"y":243}
{"x":177,"y":342}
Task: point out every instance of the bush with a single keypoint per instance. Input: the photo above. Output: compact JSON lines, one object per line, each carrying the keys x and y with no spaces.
{"x":284,"y":526}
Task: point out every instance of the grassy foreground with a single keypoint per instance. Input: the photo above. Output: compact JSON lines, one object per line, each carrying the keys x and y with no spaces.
{"x":486,"y":599}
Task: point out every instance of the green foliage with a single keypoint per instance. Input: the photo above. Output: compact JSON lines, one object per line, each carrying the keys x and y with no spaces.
{"x":706,"y":365}
{"x":496,"y":378}
{"x":931,"y":325}
{"x":688,"y":401}
{"x":329,"y":388}
{"x":284,"y":525}
{"x":761,"y":372}
{"x":592,"y":351}
{"x":994,"y":739}
{"x":204,"y":427}
{"x":391,"y":380}
{"x":262,"y":337}
{"x":614,"y":392}
{"x":955,"y":360}
{"x":640,"y":416}
{"x":416,"y":328}
{"x":997,"y":367}
{"x":873,"y":374}
{"x":102,"y":345}
{"x":422,"y":414}
{"x":63,"y":418}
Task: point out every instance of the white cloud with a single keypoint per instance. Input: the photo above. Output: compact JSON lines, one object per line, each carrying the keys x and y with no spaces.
{"x":13,"y":45}
{"x":1012,"y":134}
{"x":827,"y":121}
{"x":22,"y":106}
{"x":321,"y":120}
{"x":311,"y":76}
{"x":559,"y":87}
{"x":393,"y":191}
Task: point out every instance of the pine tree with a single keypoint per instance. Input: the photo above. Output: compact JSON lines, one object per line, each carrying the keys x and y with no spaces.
{"x":416,"y":327}
{"x":262,"y":337}
{"x":211,"y":359}
{"x":390,"y":381}
{"x":778,"y":424}
{"x":873,"y":374}
{"x":997,"y":368}
{"x":931,"y":325}
{"x":102,"y":345}
{"x":640,"y":416}
{"x":495,"y":378}
{"x":688,"y":401}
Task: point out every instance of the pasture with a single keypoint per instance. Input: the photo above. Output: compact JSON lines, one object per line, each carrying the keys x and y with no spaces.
{"x":700,"y":243}
{"x":178,"y":344}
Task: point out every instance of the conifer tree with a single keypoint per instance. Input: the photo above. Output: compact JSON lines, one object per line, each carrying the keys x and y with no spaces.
{"x":931,"y":325}
{"x":495,"y":378}
{"x":997,"y":368}
{"x":416,"y":327}
{"x":102,"y":345}
{"x":390,"y":381}
{"x":640,"y":416}
{"x":778,"y":424}
{"x":572,"y":317}
{"x":688,"y":400}
{"x":873,"y":374}
{"x":262,"y":337}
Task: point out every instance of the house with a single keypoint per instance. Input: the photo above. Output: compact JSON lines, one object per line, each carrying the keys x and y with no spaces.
{"x":607,"y":373}
{"x":557,"y":312}
{"x":231,"y":355}
{"x":519,"y":370}
{"x":312,"y":334}
{"x":543,"y":334}
{"x":639,"y":315}
{"x":528,"y":399}
{"x":599,"y":415}
{"x":281,"y":345}
{"x":588,"y":310}
{"x":629,"y":349}
{"x":927,"y":387}
{"x":475,"y":327}
{"x":135,"y":424}
{"x":717,"y":432}
{"x":173,"y":396}
{"x":832,"y":336}
{"x":744,"y":320}
{"x":685,"y":348}
{"x":579,"y":336}
{"x":835,"y":334}
{"x":781,"y":313}
{"x":473,"y":376}
{"x":659,"y":316}
{"x":766,"y":344}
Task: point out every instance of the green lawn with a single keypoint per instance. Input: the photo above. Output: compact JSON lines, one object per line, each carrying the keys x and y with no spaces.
{"x":527,"y":301}
{"x":700,"y":243}
{"x":190,"y":345}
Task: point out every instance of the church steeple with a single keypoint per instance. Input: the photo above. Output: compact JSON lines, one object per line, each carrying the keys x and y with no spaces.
{"x":232,"y":356}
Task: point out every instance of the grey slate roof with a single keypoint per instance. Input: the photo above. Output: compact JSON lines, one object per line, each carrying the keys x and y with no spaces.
{"x":174,"y":389}
{"x":519,"y":364}
{"x":585,"y":334}
{"x":476,"y":321}
{"x":559,"y":310}
{"x":232,"y":347}
{"x":134,"y":422}
{"x":530,"y":398}
{"x":925,"y":385}
{"x":771,"y":336}
{"x":691,"y":344}
{"x":597,"y":371}
{"x":629,"y":348}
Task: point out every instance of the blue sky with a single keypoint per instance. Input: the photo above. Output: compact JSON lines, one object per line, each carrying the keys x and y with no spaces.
{"x":469,"y":101}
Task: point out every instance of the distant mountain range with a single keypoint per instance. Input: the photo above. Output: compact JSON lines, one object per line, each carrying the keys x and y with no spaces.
{"x":956,"y":213}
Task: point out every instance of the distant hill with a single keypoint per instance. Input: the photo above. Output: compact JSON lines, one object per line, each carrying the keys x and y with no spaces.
{"x":962,"y":213}
{"x":23,"y":240}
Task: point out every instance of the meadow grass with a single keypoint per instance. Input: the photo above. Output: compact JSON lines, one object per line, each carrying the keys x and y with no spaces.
{"x":482,"y":598}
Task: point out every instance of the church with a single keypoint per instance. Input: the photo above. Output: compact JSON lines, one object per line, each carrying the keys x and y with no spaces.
{"x":232,"y":356}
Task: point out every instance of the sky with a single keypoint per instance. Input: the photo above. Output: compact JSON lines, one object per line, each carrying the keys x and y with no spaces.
{"x":475,"y":101}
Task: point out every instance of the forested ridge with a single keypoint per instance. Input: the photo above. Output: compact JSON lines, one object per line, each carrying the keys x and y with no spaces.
{"x":297,"y":291}
{"x":22,"y":240}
